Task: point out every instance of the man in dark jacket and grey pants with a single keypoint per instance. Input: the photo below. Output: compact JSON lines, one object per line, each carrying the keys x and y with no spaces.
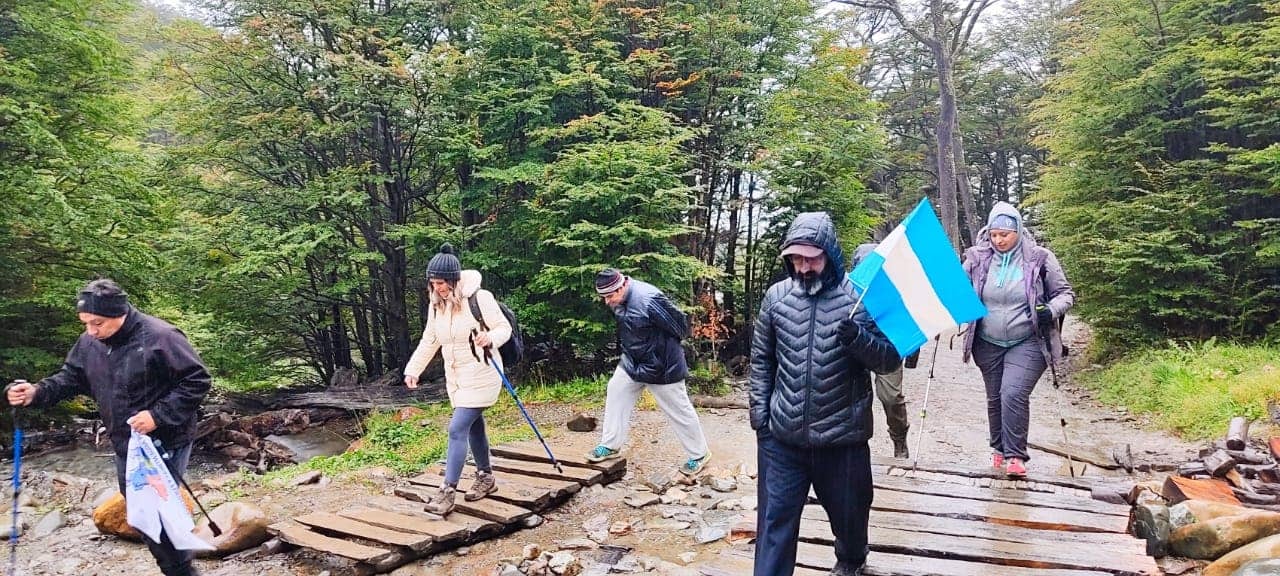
{"x":811,"y":365}
{"x":143,"y":374}
{"x":650,"y":329}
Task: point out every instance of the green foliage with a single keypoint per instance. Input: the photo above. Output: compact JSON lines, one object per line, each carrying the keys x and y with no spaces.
{"x":73,"y":180}
{"x":1194,"y":389}
{"x":711,"y":379}
{"x":1160,"y":200}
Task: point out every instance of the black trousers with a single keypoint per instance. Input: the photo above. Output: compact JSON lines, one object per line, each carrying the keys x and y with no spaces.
{"x":172,"y":562}
{"x":841,"y":478}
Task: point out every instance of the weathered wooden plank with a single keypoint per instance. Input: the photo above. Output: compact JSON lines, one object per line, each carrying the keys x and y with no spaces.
{"x":533,"y":451}
{"x":584,"y":476}
{"x":510,"y":490}
{"x":1027,"y":497}
{"x":327,"y":522}
{"x":887,"y":564}
{"x":999,"y":512}
{"x":499,"y":512}
{"x":299,"y":535}
{"x":981,"y":472}
{"x":814,"y":528}
{"x":438,"y":530}
{"x":1077,"y":454}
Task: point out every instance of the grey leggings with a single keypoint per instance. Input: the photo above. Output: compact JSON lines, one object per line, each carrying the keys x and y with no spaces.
{"x":466,"y":427}
{"x":1010,"y":375}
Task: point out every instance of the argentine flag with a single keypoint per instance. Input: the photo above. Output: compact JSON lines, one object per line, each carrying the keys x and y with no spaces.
{"x":913,"y":285}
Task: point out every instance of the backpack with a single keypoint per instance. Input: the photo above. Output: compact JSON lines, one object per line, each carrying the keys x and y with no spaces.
{"x":512,"y":351}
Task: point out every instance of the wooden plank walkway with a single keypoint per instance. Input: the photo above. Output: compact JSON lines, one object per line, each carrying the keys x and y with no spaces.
{"x":382,"y":533}
{"x":942,"y":521}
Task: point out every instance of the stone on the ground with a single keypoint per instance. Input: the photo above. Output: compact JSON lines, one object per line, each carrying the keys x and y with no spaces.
{"x":307,"y":478}
{"x":582,"y":423}
{"x":641,"y":500}
{"x":530,"y":551}
{"x":597,"y":527}
{"x":576,"y":544}
{"x":709,"y":534}
{"x":1230,"y":564}
{"x":743,"y":529}
{"x":533,"y":521}
{"x":1205,"y":510}
{"x":1151,"y":523}
{"x":721,"y":484}
{"x":565,"y":564}
{"x":1263,"y":567}
{"x":110,"y":516}
{"x":622,"y":527}
{"x":1210,"y":540}
{"x":47,"y":525}
{"x":243,"y":526}
{"x":673,"y":496}
{"x":509,"y":570}
{"x":688,"y":557}
{"x":660,"y":482}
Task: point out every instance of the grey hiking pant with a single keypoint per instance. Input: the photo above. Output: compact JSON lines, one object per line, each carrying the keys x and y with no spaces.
{"x":466,"y":427}
{"x":673,"y":399}
{"x":889,"y":391}
{"x":1010,"y":375}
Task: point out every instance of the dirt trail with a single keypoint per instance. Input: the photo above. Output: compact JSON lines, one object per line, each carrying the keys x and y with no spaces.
{"x":955,"y":434}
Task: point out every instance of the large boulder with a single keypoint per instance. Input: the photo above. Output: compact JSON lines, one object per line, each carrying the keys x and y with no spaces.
{"x":1204,"y":510}
{"x":1213,"y":538}
{"x":243,"y":526}
{"x":111,"y":516}
{"x":1234,"y":563}
{"x":1263,"y":567}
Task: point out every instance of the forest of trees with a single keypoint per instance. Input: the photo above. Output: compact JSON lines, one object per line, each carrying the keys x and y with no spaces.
{"x":273,"y":175}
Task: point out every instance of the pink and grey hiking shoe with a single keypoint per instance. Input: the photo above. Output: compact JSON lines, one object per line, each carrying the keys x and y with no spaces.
{"x":1015,"y":469}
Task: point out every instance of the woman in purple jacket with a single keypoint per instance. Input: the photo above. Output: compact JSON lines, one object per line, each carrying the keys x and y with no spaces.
{"x":1026,"y":292}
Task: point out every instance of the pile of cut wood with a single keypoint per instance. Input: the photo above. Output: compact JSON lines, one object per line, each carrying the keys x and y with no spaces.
{"x":1248,"y":467}
{"x":1223,"y":508}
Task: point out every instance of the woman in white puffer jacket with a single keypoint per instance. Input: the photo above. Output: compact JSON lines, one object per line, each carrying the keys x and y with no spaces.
{"x":472,"y":382}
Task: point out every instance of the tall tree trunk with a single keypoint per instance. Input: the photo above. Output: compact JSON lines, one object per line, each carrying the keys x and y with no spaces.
{"x":731,"y":249}
{"x":946,"y":142}
{"x":962,"y":188}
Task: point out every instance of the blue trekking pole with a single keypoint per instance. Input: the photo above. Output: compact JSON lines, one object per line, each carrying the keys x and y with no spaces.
{"x":17,"y":486}
{"x":512,"y":390}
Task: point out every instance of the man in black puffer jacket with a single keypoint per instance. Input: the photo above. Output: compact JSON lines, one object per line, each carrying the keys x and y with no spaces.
{"x":143,"y":374}
{"x":811,"y":367}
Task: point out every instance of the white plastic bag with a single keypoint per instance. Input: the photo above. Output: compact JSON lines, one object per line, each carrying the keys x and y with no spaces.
{"x":152,"y":499}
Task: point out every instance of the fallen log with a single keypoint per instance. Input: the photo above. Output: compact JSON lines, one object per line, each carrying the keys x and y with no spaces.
{"x":702,"y":401}
{"x":1219,"y":463}
{"x":1077,"y":454}
{"x":1238,"y":433}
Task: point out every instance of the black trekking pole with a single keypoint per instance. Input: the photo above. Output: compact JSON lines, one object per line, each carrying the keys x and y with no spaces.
{"x":165,"y":455}
{"x":512,"y":390}
{"x":17,"y":481}
{"x":1053,"y":372}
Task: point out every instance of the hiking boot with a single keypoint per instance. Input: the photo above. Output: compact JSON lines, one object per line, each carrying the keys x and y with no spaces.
{"x":602,"y":453}
{"x":900,"y":448}
{"x":441,"y":503}
{"x":1015,"y":468}
{"x":695,"y":465}
{"x":997,"y":461}
{"x":484,"y":485}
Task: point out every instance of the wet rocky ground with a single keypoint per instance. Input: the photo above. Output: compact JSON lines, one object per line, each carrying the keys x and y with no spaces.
{"x":623,"y":528}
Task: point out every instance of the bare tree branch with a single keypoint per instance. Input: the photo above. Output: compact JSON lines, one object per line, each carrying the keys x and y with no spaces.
{"x":892,"y":7}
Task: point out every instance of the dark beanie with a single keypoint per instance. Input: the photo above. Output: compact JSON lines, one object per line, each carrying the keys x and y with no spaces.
{"x":444,"y":266}
{"x":609,"y":280}
{"x":103,"y":298}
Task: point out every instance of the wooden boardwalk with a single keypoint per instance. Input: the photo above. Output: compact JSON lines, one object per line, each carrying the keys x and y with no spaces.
{"x":955,"y":522}
{"x":382,"y":533}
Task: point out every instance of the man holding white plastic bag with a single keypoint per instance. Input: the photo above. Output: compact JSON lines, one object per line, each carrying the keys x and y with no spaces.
{"x":148,"y":382}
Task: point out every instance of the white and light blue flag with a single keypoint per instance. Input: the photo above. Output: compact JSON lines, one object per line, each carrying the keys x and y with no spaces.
{"x":152,"y":499}
{"x":914,"y":285}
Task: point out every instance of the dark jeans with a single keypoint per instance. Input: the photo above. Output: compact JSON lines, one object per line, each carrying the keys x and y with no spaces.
{"x":841,"y":478}
{"x":466,"y":428}
{"x":172,"y":562}
{"x":1010,"y":374}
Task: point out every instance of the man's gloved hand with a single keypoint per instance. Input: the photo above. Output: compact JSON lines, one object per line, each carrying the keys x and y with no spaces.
{"x":850,"y":330}
{"x":1044,"y":317}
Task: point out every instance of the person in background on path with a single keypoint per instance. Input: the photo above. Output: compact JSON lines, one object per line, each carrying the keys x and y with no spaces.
{"x":473,"y":384}
{"x":1025,"y":292}
{"x":888,"y":386}
{"x":650,"y":329}
{"x":145,"y":377}
{"x":812,"y":356}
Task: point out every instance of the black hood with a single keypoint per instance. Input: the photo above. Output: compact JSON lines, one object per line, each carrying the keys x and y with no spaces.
{"x":816,"y":228}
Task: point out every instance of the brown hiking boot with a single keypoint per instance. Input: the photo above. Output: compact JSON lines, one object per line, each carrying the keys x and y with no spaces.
{"x":484,"y":485}
{"x":441,"y":503}
{"x":900,"y":448}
